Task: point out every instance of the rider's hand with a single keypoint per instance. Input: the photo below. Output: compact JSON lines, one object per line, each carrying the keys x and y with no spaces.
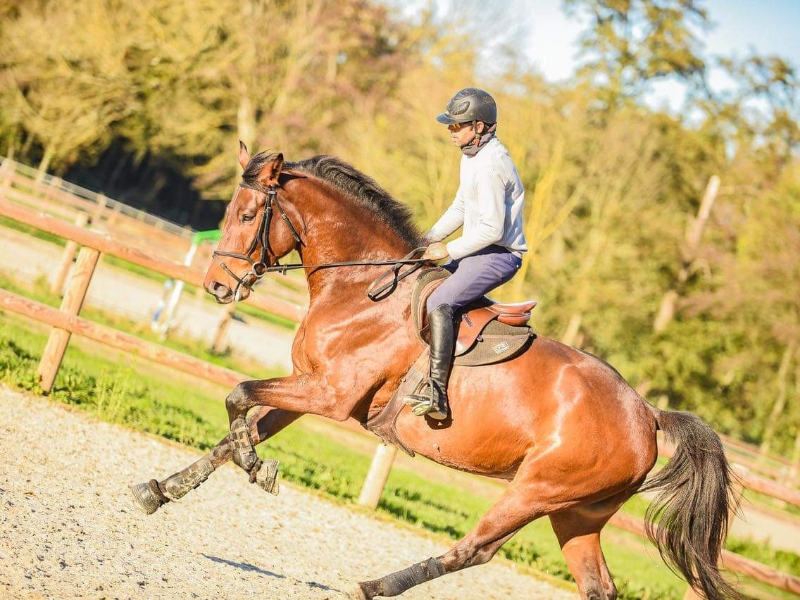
{"x":435,"y":252}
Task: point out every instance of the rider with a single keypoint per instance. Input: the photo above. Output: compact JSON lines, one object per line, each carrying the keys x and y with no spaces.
{"x":488,"y":204}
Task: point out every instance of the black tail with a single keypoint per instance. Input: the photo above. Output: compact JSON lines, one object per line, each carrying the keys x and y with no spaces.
{"x":688,"y":520}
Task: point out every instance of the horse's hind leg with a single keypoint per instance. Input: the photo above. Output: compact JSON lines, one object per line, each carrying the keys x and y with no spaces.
{"x":521,"y":503}
{"x":578,"y":532}
{"x":262,"y":425}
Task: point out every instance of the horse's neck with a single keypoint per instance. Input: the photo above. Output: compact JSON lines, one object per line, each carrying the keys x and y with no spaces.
{"x":339,"y":230}
{"x":348,"y":283}
{"x":357,"y":235}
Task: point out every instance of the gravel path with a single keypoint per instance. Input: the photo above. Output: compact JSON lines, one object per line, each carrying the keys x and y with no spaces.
{"x":70,"y":531}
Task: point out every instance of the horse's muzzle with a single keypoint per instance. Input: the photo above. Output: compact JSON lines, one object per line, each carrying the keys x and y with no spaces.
{"x":221,"y":292}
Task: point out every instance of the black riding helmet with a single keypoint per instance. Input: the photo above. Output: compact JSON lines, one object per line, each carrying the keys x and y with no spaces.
{"x":470,"y":104}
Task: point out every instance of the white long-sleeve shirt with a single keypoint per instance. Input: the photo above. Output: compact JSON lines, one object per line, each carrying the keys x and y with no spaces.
{"x":488,"y":204}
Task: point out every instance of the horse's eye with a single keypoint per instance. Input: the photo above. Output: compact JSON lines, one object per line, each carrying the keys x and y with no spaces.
{"x":247,"y":218}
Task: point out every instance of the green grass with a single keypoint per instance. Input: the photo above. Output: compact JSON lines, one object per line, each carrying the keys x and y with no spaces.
{"x":329,"y":460}
{"x":113,"y":389}
{"x":32,"y":231}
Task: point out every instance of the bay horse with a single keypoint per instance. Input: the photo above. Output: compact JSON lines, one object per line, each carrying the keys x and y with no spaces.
{"x":571,"y":437}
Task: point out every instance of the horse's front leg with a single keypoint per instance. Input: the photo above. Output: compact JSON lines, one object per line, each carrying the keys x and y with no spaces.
{"x":265,"y":423}
{"x":307,"y":393}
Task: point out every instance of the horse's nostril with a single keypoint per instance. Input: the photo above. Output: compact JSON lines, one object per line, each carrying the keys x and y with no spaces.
{"x":217,"y":289}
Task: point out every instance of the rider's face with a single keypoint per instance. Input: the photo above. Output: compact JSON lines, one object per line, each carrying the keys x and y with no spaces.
{"x":463,"y":133}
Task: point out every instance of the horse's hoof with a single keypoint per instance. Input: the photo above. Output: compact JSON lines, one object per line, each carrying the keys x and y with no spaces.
{"x":355,"y":592}
{"x":145,"y":499}
{"x":267,"y":477}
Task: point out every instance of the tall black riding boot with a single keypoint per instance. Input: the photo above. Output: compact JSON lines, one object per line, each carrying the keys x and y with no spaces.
{"x":442,"y":330}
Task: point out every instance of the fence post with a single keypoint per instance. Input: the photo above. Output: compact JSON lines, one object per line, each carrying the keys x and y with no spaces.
{"x":67,"y":257}
{"x":378,"y":474}
{"x":165,"y":319}
{"x":6,"y":176}
{"x":97,"y":215}
{"x":220,"y":339}
{"x":113,"y":215}
{"x":71,"y":304}
{"x":55,"y":184}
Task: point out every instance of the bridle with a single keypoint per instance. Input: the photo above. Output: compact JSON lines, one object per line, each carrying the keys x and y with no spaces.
{"x":260,"y":267}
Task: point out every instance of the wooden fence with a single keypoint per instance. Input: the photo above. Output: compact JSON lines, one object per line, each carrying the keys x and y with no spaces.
{"x":147,"y":259}
{"x":58,"y":198}
{"x":751,"y":457}
{"x":66,"y":321}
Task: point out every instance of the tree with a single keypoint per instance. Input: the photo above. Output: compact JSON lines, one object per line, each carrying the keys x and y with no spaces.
{"x":281,"y":89}
{"x":68,"y":93}
{"x":758,"y":114}
{"x":760,"y":294}
{"x":630,"y":43}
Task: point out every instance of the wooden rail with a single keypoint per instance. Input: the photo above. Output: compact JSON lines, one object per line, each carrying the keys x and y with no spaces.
{"x":750,"y":480}
{"x":771,"y":466}
{"x":767,"y":487}
{"x":105,"y":244}
{"x":119,"y":340}
{"x":62,"y":195}
{"x":125,"y":224}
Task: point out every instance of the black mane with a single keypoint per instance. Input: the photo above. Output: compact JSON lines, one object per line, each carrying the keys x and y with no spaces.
{"x":352,"y":182}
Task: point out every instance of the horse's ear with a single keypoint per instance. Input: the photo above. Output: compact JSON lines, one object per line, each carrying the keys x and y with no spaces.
{"x":244,"y":157}
{"x":270,"y":173}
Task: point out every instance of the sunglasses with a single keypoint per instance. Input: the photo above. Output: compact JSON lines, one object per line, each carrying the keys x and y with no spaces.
{"x":456,"y":127}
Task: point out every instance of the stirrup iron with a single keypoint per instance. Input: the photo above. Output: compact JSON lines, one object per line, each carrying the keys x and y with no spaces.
{"x":423,"y":404}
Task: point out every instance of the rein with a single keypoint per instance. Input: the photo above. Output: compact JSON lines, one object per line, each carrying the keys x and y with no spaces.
{"x":261,"y":267}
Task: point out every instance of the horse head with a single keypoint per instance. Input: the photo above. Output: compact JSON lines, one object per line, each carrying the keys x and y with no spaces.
{"x":249,"y":245}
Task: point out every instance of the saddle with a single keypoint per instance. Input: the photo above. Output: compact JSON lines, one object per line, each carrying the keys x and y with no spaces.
{"x":486,"y":331}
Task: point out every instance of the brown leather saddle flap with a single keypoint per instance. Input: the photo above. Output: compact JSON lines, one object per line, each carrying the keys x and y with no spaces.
{"x":382,"y":420}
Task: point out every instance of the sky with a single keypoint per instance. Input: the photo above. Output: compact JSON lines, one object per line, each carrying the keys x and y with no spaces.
{"x":770,"y":27}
